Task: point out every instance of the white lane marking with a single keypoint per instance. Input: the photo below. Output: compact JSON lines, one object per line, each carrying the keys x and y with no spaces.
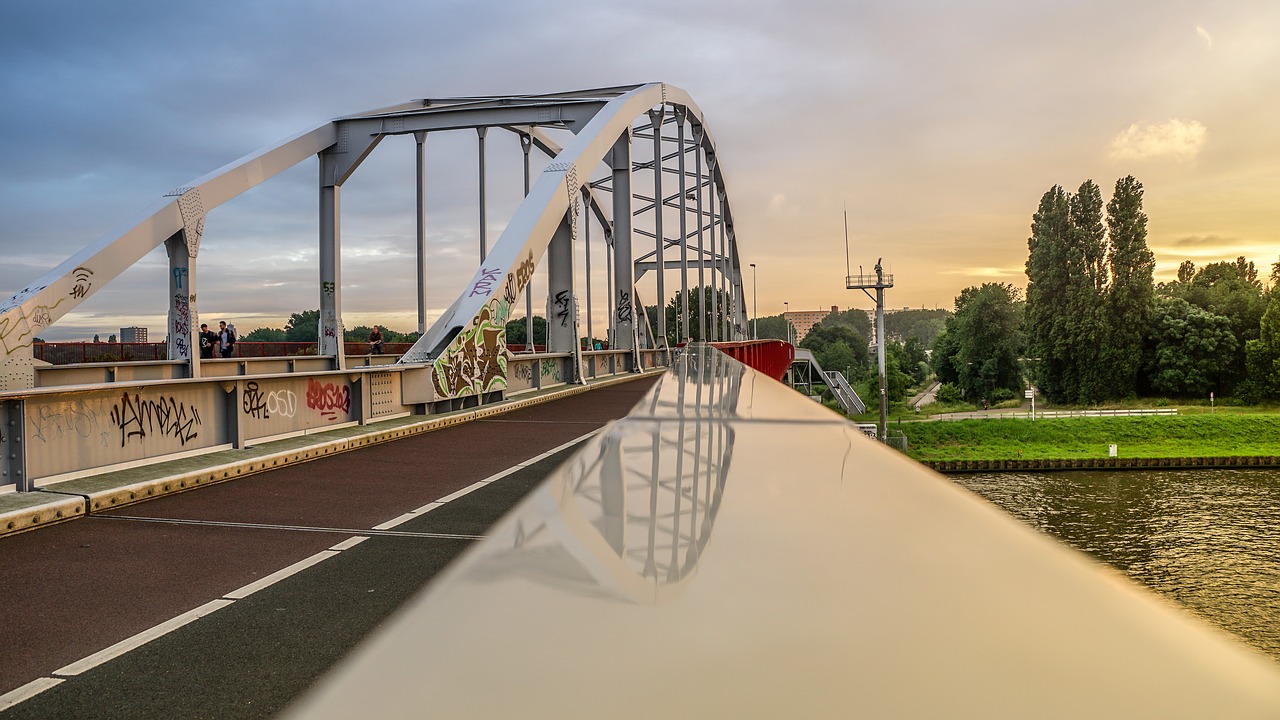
{"x":278,"y":575}
{"x":141,"y":638}
{"x":26,"y":692}
{"x":39,"y":685}
{"x":349,"y":543}
{"x":480,"y":483}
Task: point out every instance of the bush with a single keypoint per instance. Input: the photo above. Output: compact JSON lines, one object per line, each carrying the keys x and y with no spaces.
{"x":948,"y":394}
{"x":1000,"y":395}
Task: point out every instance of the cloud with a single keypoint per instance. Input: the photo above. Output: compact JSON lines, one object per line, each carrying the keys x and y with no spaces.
{"x":1204,"y":34}
{"x":1179,"y":139}
{"x":987,"y":272}
{"x":1215,"y":241}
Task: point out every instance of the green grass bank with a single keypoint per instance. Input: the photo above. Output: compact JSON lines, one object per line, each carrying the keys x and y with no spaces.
{"x":1196,"y":436}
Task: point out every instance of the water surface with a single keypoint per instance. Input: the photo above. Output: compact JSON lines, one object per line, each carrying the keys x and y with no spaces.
{"x":1209,"y":539}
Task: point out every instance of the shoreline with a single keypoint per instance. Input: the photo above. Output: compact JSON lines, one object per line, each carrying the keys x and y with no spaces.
{"x":1109,"y":463}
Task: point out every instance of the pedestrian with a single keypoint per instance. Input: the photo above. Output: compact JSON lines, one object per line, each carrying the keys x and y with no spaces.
{"x":208,"y":339}
{"x":226,"y":339}
{"x":375,"y":340}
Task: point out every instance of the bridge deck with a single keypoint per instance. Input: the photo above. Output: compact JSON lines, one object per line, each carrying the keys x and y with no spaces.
{"x":82,"y":586}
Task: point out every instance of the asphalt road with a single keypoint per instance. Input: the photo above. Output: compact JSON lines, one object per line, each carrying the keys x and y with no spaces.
{"x":75,"y":589}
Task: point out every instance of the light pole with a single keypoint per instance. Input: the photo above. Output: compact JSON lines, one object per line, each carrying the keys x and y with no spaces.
{"x":786,"y":319}
{"x":755,"y":312}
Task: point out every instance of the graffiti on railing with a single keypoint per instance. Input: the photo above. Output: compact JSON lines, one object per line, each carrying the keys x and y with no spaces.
{"x":262,"y":405}
{"x":551,"y":369}
{"x":328,"y":399}
{"x":50,"y":423}
{"x":523,"y":372}
{"x":165,"y":416}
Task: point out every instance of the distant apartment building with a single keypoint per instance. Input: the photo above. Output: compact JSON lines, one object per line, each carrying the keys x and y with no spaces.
{"x":804,"y":320}
{"x":133,"y":335}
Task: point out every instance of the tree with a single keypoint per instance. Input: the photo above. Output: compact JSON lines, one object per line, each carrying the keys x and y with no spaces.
{"x":836,"y":347}
{"x":1191,"y":349}
{"x":1087,"y":286}
{"x":112,"y":338}
{"x":1263,"y":356}
{"x":518,"y":331}
{"x":915,"y":361}
{"x":980,"y":349}
{"x":1048,"y":316}
{"x":772,"y":327}
{"x":303,"y":327}
{"x":924,"y":325}
{"x":264,"y":334}
{"x":1132,"y":296}
{"x":95,"y":338}
{"x":711,"y":298}
{"x":853,"y":318}
{"x":1231,"y":290}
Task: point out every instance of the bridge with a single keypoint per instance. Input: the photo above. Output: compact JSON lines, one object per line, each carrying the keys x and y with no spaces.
{"x":726,"y":546}
{"x":631,"y":172}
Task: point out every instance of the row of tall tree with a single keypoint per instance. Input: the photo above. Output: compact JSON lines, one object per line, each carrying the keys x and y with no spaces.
{"x":1095,"y":326}
{"x":1090,"y":292}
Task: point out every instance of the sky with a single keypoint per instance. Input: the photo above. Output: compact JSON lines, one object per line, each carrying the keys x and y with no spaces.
{"x":936,"y":126}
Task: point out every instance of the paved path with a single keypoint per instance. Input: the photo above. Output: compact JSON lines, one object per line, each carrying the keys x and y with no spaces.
{"x":76,"y":589}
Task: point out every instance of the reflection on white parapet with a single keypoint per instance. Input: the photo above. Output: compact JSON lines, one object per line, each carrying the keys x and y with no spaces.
{"x":629,"y":516}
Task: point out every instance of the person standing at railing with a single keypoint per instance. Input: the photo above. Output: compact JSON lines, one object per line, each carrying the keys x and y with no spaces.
{"x":226,"y":338}
{"x":208,"y":339}
{"x":375,"y":340}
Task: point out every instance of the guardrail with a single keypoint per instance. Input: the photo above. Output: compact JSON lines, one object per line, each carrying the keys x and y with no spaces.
{"x":96,"y":417}
{"x":1054,"y":414}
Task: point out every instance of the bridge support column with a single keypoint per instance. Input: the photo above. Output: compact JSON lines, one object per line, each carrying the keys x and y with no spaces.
{"x":702,"y":258}
{"x":656,"y":119}
{"x":330,"y":328}
{"x":562,"y":316}
{"x":421,"y":138}
{"x":624,"y":336}
{"x":184,"y":322}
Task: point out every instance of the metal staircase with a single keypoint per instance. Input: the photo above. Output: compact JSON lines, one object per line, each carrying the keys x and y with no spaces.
{"x":840,"y":387}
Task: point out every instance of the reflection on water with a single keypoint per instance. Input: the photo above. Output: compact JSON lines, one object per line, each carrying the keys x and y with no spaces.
{"x":1209,"y":539}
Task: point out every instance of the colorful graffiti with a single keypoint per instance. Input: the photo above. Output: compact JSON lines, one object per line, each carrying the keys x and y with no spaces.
{"x":328,"y":399}
{"x":476,"y":361}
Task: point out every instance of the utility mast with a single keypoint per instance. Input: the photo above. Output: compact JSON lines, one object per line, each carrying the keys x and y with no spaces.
{"x":879,"y":281}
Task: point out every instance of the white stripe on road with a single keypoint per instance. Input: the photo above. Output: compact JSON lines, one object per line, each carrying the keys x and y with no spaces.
{"x":39,"y":685}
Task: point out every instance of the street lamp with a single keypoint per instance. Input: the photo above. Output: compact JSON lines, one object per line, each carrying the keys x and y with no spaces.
{"x":755,"y":320}
{"x":786,"y":319}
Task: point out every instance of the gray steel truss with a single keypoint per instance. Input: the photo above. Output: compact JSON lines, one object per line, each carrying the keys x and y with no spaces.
{"x":466,"y":346}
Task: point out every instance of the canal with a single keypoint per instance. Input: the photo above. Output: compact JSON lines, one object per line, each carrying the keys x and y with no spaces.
{"x":1208,"y":539}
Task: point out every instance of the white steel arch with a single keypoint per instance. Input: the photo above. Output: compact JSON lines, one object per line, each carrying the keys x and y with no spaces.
{"x":466,"y":347}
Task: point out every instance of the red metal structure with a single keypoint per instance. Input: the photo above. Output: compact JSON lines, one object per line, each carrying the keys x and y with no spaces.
{"x":771,"y":357}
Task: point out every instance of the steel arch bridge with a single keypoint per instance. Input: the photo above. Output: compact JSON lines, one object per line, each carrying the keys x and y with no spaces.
{"x":601,"y":144}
